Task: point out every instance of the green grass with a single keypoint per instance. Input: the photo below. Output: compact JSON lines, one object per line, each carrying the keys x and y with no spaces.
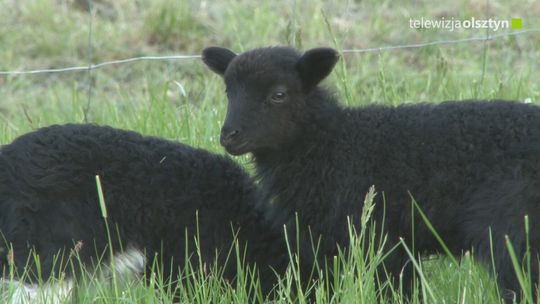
{"x":182,"y":100}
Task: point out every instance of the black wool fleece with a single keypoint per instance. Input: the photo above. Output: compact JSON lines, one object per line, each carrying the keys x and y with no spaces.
{"x":471,"y":166}
{"x":160,"y":195}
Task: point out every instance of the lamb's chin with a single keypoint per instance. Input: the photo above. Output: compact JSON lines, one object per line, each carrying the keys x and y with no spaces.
{"x":235,"y":153}
{"x":238,"y":149}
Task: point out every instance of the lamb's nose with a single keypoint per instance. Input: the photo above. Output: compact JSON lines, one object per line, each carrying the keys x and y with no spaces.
{"x":228,"y":136}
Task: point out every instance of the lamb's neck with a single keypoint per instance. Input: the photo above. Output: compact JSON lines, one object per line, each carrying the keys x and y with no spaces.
{"x":284,"y":173}
{"x":284,"y":180}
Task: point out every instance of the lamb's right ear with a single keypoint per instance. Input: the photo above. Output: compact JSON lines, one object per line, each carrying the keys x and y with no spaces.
{"x":217,"y":58}
{"x":315,"y":65}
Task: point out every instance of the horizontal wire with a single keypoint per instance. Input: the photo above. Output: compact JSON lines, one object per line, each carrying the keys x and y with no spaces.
{"x":99,"y":65}
{"x":179,"y":57}
{"x":442,"y":42}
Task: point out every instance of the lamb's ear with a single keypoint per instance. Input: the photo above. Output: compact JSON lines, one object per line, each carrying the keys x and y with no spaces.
{"x":217,"y":58}
{"x":315,"y":65}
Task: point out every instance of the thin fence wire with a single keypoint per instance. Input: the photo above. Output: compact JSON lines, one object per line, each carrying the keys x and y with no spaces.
{"x":100,"y":65}
{"x":442,"y":42}
{"x":345,"y":51}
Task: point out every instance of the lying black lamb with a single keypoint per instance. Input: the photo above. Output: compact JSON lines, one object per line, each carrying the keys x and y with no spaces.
{"x":157,"y":193}
{"x":473,"y":167}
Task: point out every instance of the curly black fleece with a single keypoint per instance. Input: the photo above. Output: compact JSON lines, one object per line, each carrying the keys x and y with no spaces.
{"x":470,"y":165}
{"x":156,"y":192}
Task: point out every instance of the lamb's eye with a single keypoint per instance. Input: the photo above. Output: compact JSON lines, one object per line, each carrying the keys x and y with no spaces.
{"x":278,"y":96}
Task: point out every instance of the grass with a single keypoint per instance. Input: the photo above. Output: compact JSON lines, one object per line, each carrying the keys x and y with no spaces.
{"x":181,"y":100}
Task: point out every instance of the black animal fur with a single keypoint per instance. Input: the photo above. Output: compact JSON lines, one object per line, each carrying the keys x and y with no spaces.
{"x":471,"y":165}
{"x":156,"y":191}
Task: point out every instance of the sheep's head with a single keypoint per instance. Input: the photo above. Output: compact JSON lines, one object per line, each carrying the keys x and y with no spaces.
{"x":268,"y":91}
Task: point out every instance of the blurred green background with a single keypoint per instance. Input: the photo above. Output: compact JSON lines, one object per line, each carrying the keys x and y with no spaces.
{"x":37,"y":34}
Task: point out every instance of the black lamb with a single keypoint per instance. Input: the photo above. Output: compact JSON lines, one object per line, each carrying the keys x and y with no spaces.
{"x":160,"y":195}
{"x":473,"y":167}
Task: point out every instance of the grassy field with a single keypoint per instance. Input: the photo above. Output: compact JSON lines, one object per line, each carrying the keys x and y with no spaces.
{"x":181,"y":100}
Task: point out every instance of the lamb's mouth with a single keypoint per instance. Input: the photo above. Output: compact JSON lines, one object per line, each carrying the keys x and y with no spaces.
{"x":238,"y":148}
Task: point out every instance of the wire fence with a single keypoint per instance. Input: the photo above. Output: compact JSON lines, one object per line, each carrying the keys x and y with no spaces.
{"x":345,"y":51}
{"x":93,"y":66}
